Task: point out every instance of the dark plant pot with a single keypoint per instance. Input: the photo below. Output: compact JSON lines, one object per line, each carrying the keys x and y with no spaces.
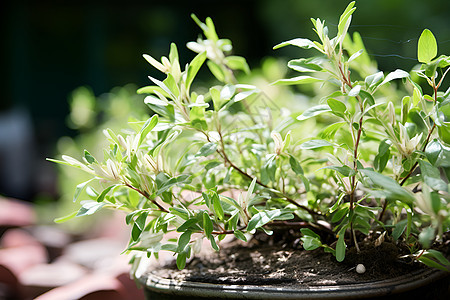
{"x":423,"y":284}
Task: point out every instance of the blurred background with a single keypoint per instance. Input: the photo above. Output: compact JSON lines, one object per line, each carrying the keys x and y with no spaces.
{"x":51,"y":48}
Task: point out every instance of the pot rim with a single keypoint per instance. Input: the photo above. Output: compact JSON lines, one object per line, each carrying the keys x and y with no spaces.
{"x":385,"y":287}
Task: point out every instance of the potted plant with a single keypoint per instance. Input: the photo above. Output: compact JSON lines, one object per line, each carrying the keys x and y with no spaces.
{"x":363,"y":172}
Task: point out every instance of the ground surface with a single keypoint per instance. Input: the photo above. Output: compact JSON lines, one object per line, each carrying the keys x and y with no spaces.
{"x":265,"y":262}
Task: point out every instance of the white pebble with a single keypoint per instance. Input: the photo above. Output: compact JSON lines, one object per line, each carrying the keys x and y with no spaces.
{"x":360,"y":269}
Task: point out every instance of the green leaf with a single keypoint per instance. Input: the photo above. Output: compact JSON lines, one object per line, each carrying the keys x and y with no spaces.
{"x":314,"y":144}
{"x":304,"y":79}
{"x":188,"y":224}
{"x":382,"y":156}
{"x":340,"y":247}
{"x":183,"y":241}
{"x":390,"y":187}
{"x":216,"y":70}
{"x":213,"y":243}
{"x":217,"y":205}
{"x":181,"y":260}
{"x":262,"y":218}
{"x":66,"y":218}
{"x":237,"y":63}
{"x":438,"y":256}
{"x":242,"y":95}
{"x":431,"y":176}
{"x":139,"y":225}
{"x":101,"y":197}
{"x":344,"y":170}
{"x":427,"y":47}
{"x":89,"y":207}
{"x":309,"y":232}
{"x":345,"y":17}
{"x":397,"y":74}
{"x":207,"y":149}
{"x":337,"y":107}
{"x":305,"y":65}
{"x":338,"y":215}
{"x":354,"y":91}
{"x":313,"y":111}
{"x":172,"y":85}
{"x":295,"y":165}
{"x":89,"y":158}
{"x":432,"y":263}
{"x":330,"y":131}
{"x":79,"y":189}
{"x":399,"y":229}
{"x":147,"y":127}
{"x":193,"y":69}
{"x":183,"y":178}
{"x":207,"y":224}
{"x":433,"y":150}
{"x":240,"y":235}
{"x":372,"y":80}
{"x":299,"y":42}
{"x":310,"y":243}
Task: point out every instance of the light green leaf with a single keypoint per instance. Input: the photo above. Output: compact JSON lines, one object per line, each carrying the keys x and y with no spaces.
{"x":79,"y":189}
{"x":427,"y":47}
{"x":216,"y":70}
{"x":305,"y":65}
{"x":89,"y":207}
{"x":346,"y":15}
{"x":313,"y":111}
{"x":66,"y":218}
{"x":304,"y":79}
{"x":193,"y":69}
{"x":354,"y":91}
{"x":237,"y":63}
{"x":299,"y":42}
{"x":207,"y":149}
{"x":397,"y":74}
{"x":337,"y":107}
{"x":148,"y":126}
{"x":313,"y":144}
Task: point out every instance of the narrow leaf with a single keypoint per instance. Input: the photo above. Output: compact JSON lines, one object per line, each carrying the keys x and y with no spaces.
{"x":313,"y":111}
{"x":313,"y":144}
{"x":304,"y":79}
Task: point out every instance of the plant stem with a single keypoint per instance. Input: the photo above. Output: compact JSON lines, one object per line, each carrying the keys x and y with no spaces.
{"x":345,"y":79}
{"x":148,"y":197}
{"x":224,"y":156}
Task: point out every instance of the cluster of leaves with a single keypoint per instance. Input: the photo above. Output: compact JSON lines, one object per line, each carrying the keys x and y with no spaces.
{"x":210,"y":163}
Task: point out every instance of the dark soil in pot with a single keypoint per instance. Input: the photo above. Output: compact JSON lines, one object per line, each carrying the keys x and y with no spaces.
{"x":284,"y":264}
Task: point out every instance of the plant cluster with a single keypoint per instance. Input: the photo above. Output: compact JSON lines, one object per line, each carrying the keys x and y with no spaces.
{"x":371,"y":158}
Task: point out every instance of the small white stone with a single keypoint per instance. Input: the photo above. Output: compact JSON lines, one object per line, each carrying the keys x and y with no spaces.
{"x":360,"y":269}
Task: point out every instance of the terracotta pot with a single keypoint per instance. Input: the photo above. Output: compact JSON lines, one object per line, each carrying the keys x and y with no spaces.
{"x":423,"y":284}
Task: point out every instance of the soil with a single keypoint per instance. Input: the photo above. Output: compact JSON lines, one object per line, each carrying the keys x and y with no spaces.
{"x":267,"y":261}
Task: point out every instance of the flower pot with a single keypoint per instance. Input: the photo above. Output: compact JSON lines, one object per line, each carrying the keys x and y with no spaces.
{"x":421,"y":284}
